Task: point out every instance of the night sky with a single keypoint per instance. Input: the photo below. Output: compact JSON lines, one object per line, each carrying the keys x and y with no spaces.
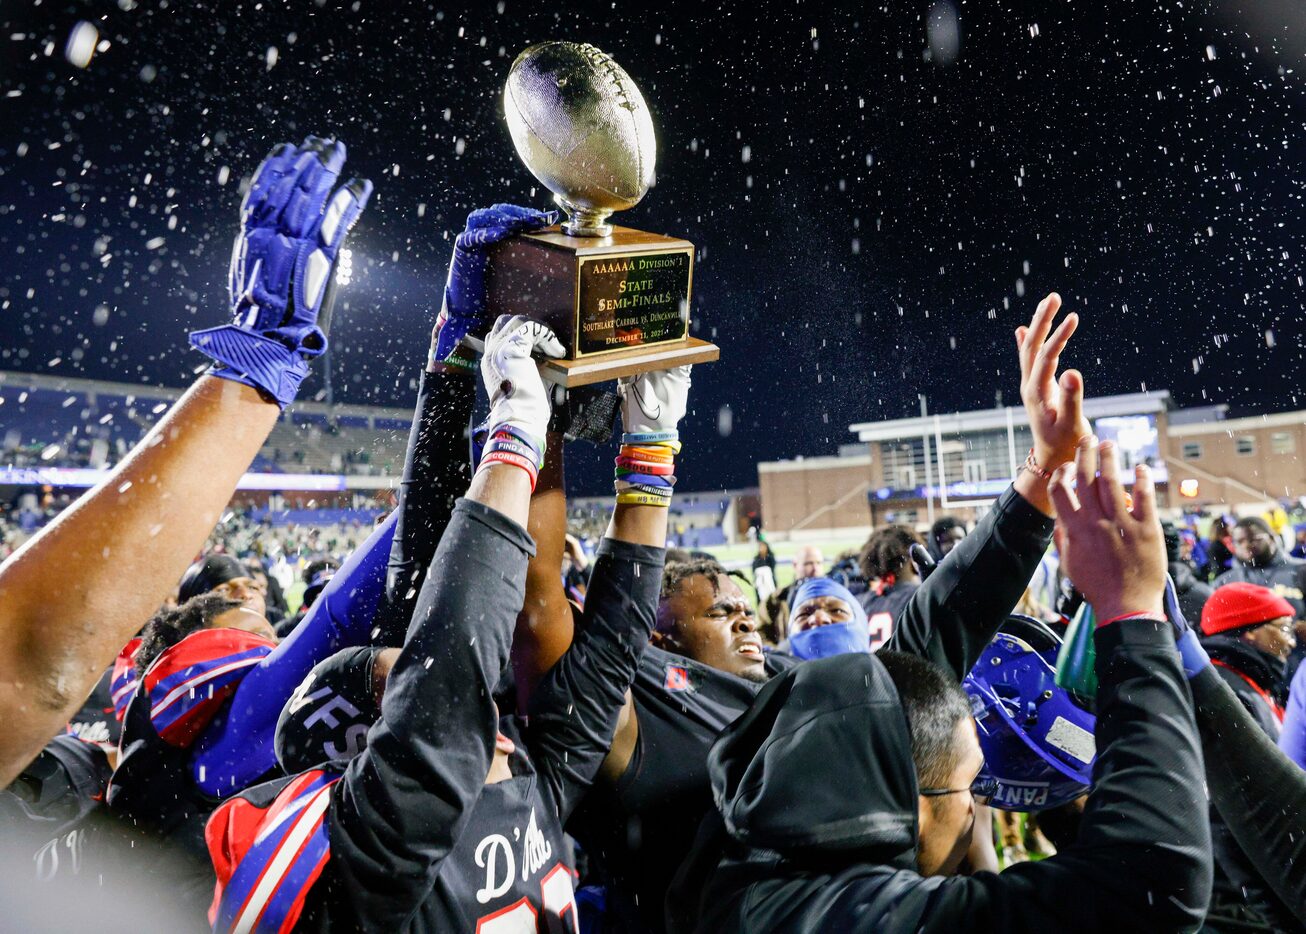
{"x":874,"y":212}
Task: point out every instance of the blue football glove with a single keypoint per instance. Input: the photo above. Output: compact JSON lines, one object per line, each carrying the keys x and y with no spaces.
{"x":464,"y":293}
{"x":292,"y":228}
{"x":1191,"y":654}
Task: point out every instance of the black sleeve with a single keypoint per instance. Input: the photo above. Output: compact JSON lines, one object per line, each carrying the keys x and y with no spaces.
{"x":1142,"y":860}
{"x":573,"y":712}
{"x":955,"y":613}
{"x":403,"y":802}
{"x":436,"y":472}
{"x":1259,"y":791}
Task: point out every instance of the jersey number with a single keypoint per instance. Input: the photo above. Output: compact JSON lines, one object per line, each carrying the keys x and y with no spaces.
{"x":881,"y":625}
{"x":558,"y":899}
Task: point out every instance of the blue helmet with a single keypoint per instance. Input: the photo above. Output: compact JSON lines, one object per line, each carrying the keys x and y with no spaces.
{"x":1037,"y":740}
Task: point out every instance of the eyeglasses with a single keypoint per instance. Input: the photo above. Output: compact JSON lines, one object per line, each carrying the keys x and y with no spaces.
{"x":984,"y":786}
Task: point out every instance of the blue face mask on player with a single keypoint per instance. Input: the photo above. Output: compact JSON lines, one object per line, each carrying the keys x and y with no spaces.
{"x":835,"y":638}
{"x":1037,"y":741}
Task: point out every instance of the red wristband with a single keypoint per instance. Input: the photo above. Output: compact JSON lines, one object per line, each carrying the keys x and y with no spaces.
{"x":1142,"y":614}
{"x":513,"y":460}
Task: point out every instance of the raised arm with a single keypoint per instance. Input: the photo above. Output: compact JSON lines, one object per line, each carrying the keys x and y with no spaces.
{"x":1143,"y":854}
{"x":954,"y":614}
{"x":132,"y":536}
{"x":582,"y":712}
{"x":1142,"y":858}
{"x":238,"y":749}
{"x":436,"y":465}
{"x":404,"y":801}
{"x":545,"y":626}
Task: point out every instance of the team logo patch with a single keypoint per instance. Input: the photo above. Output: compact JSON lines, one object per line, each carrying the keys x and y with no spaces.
{"x":677,"y":679}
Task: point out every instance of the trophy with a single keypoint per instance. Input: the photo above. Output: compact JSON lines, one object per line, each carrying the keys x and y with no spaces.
{"x":617,"y":298}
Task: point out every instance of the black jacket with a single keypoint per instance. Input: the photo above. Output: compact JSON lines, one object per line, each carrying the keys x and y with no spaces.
{"x":1192,"y":593}
{"x":1237,"y":882}
{"x":817,"y":803}
{"x":640,"y":828}
{"x":417,"y":840}
{"x":1258,"y":792}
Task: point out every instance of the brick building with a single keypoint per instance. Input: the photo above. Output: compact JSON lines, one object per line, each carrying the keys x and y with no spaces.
{"x":910,"y":470}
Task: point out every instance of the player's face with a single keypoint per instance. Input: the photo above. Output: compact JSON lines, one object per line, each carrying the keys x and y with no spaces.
{"x":947,"y":821}
{"x":820,"y":611}
{"x":247,"y":590}
{"x":246,"y":620}
{"x":714,"y":626}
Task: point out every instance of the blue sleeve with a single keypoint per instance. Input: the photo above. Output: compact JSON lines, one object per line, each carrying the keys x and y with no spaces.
{"x":1292,"y":739}
{"x":237,"y":749}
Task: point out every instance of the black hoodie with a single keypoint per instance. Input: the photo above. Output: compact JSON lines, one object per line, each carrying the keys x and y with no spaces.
{"x":817,"y":802}
{"x":1245,"y":669}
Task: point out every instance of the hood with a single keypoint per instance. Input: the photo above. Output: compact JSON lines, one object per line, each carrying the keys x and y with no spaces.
{"x":821,"y":764}
{"x":1266,"y":670}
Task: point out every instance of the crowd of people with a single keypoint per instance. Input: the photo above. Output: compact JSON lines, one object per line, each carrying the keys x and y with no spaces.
{"x":473,"y":725}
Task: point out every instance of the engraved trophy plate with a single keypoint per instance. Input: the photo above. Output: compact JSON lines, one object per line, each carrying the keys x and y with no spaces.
{"x":632,"y":300}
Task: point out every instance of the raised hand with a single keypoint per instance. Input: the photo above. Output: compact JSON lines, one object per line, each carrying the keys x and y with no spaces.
{"x":654,"y":402}
{"x":1114,"y":551}
{"x":1055,"y":406}
{"x":464,"y":293}
{"x":512,"y":378}
{"x":292,"y":228}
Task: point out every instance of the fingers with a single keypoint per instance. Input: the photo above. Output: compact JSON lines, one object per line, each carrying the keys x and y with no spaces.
{"x":1071,"y":404}
{"x":1038,"y":329}
{"x":1064,"y":500}
{"x":1144,"y":509}
{"x":502,"y":220}
{"x":324,"y":159}
{"x":549,"y":344}
{"x":1044,"y":367}
{"x":1086,"y":471}
{"x":1110,"y":492}
{"x":342,"y":211}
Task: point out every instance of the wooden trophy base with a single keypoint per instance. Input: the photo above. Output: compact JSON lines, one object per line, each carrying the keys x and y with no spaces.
{"x":572,"y":373}
{"x":619,"y":304}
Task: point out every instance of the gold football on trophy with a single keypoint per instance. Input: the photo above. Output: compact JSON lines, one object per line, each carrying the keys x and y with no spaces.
{"x":581,"y":126}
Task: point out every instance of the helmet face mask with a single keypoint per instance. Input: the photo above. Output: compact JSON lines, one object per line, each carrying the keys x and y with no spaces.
{"x":1037,"y":740}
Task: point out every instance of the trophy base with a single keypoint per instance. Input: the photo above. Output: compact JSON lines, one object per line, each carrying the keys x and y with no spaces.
{"x":611,"y":366}
{"x":623,"y":295}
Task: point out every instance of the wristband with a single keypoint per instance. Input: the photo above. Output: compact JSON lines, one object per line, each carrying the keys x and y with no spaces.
{"x":631,"y":465}
{"x":656,"y":454}
{"x":513,"y":460}
{"x":660,"y":480}
{"x":644,"y":488}
{"x":645,"y":468}
{"x":1142,"y":614}
{"x":642,"y":499}
{"x":513,"y":447}
{"x":511,"y":433}
{"x":1032,"y":466}
{"x":652,"y":437}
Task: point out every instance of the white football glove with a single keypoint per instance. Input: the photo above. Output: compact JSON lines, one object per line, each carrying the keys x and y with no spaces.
{"x":512,"y":378}
{"x":654,"y":401}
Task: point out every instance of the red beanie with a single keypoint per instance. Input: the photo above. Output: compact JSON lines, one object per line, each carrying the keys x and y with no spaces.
{"x":1234,"y":606}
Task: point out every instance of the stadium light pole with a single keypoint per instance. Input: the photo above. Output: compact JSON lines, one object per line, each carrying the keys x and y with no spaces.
{"x":925,"y":438}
